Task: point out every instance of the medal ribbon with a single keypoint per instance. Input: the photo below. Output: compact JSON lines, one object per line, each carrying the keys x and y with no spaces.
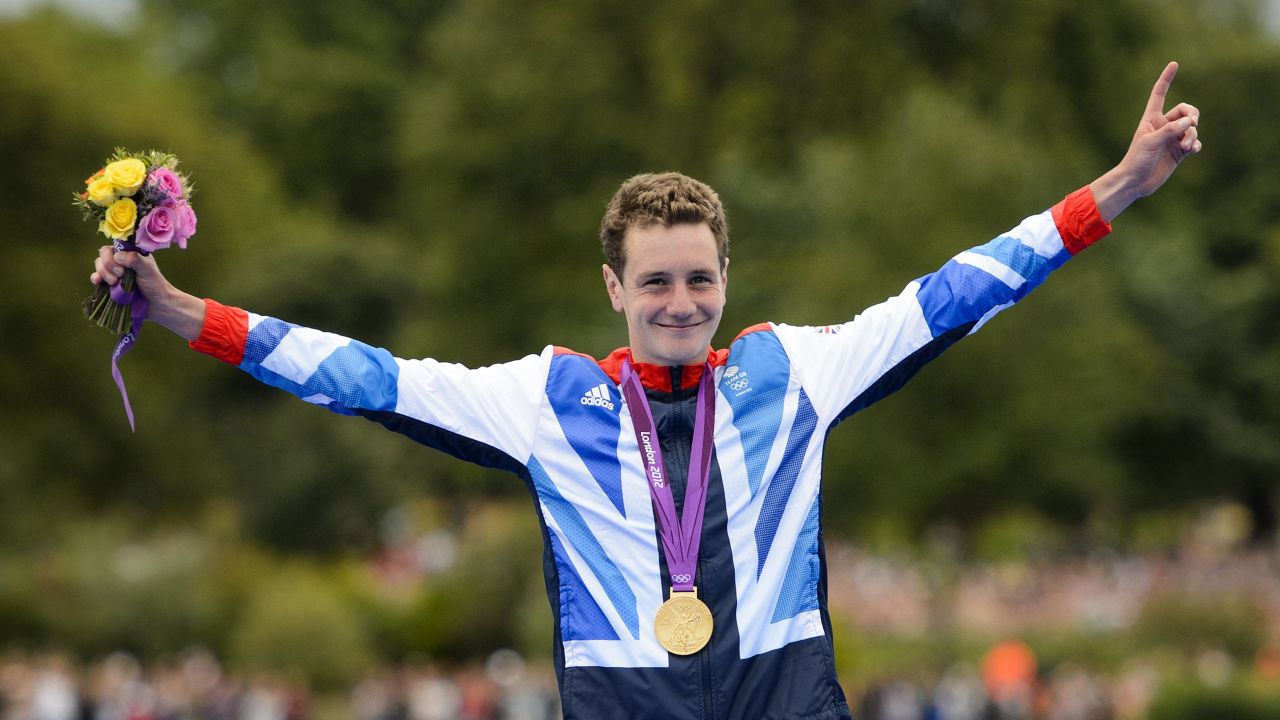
{"x":680,"y":536}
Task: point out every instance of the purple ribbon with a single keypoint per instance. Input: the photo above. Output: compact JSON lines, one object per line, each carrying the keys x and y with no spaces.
{"x":138,"y":312}
{"x":680,"y":536}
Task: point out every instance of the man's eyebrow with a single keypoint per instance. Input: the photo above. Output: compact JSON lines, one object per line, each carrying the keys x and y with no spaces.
{"x":667,"y":273}
{"x":653,"y":274}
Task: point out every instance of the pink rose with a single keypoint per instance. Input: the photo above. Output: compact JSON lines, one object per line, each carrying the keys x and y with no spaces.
{"x":168,"y":182}
{"x":156,"y":229}
{"x":186,"y":224}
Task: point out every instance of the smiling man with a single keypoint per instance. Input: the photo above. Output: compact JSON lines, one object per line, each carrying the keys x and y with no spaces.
{"x":678,"y":486}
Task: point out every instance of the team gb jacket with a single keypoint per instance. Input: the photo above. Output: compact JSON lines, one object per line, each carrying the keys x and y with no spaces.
{"x":558,"y":420}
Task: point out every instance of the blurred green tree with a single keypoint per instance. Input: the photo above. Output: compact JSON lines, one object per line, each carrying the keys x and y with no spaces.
{"x":429,"y":177}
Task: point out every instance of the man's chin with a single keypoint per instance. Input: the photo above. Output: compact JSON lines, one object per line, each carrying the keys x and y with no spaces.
{"x":686,"y":354}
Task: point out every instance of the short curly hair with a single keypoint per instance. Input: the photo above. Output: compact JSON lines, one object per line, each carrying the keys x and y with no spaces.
{"x":668,"y":198}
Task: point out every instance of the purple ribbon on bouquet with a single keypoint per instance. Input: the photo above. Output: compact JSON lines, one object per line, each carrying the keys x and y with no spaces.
{"x":138,"y":306}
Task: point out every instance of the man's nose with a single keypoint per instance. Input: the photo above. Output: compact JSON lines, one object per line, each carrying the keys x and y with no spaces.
{"x":680,"y":302}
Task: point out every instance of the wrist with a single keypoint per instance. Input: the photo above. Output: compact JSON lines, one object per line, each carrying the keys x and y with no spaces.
{"x":180,"y":312}
{"x":1113,"y":192}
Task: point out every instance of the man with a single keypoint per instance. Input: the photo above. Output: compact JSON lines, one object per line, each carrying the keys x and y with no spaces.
{"x":678,"y":486}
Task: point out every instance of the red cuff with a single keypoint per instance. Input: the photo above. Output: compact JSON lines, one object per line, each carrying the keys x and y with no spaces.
{"x":224,"y":332}
{"x":1078,"y":221}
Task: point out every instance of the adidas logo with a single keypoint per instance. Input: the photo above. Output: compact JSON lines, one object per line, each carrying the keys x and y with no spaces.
{"x":598,"y":396}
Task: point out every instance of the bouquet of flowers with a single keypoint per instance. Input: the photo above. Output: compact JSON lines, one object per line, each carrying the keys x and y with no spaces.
{"x":140,"y":202}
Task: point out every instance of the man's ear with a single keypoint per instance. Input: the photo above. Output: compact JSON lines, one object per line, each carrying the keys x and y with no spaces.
{"x":724,"y":275}
{"x":613,"y":286}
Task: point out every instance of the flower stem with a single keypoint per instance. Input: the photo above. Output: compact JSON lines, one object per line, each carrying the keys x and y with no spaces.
{"x":104,"y":312}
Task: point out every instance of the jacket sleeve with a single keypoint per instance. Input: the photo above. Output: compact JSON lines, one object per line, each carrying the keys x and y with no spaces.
{"x":484,"y":415}
{"x":845,"y":368}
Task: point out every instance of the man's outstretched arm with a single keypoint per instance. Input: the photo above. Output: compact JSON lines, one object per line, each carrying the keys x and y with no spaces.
{"x":859,"y":362}
{"x":483,"y":415}
{"x":1162,"y":140}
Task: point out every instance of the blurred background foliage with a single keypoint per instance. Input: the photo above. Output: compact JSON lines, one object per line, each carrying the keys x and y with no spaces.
{"x":429,"y":177}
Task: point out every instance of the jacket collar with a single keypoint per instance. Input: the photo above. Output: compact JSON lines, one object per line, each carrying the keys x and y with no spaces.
{"x":658,"y":377}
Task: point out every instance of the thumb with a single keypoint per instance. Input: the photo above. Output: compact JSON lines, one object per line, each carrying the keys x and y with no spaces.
{"x":1172,"y":130}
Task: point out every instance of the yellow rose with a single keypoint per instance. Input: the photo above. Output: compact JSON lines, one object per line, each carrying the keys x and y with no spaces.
{"x":101,"y":192}
{"x":120,"y":219}
{"x":126,"y":175}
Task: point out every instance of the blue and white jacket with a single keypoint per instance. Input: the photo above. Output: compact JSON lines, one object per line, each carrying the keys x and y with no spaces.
{"x":558,"y":420}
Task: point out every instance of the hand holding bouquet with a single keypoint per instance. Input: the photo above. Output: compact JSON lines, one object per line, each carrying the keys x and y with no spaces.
{"x":140,"y":202}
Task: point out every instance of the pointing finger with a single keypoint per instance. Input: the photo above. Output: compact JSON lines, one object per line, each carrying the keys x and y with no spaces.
{"x":1155,"y":104}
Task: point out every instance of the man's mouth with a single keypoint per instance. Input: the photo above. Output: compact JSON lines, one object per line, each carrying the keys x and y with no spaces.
{"x":671,"y":326}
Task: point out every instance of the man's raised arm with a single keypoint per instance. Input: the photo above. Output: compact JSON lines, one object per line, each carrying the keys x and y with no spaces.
{"x":862,"y":361}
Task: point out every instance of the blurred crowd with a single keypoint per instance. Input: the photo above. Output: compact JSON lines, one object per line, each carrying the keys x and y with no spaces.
{"x":1006,"y":685}
{"x":1009,"y":685}
{"x":1097,"y":594}
{"x":1094,"y":592}
{"x":504,"y":688}
{"x":196,"y":686}
{"x":118,"y":687}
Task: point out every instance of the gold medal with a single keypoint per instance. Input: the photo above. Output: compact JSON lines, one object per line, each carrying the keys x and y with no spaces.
{"x":683,"y":623}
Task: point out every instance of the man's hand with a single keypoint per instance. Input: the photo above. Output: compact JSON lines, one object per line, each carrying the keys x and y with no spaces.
{"x":180,"y":312}
{"x":1162,"y":140}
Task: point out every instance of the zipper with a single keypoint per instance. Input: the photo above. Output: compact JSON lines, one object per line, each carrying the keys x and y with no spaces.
{"x":705,"y":656}
{"x":681,"y":447}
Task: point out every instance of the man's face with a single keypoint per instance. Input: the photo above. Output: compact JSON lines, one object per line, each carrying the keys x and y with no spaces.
{"x":672,"y":292}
